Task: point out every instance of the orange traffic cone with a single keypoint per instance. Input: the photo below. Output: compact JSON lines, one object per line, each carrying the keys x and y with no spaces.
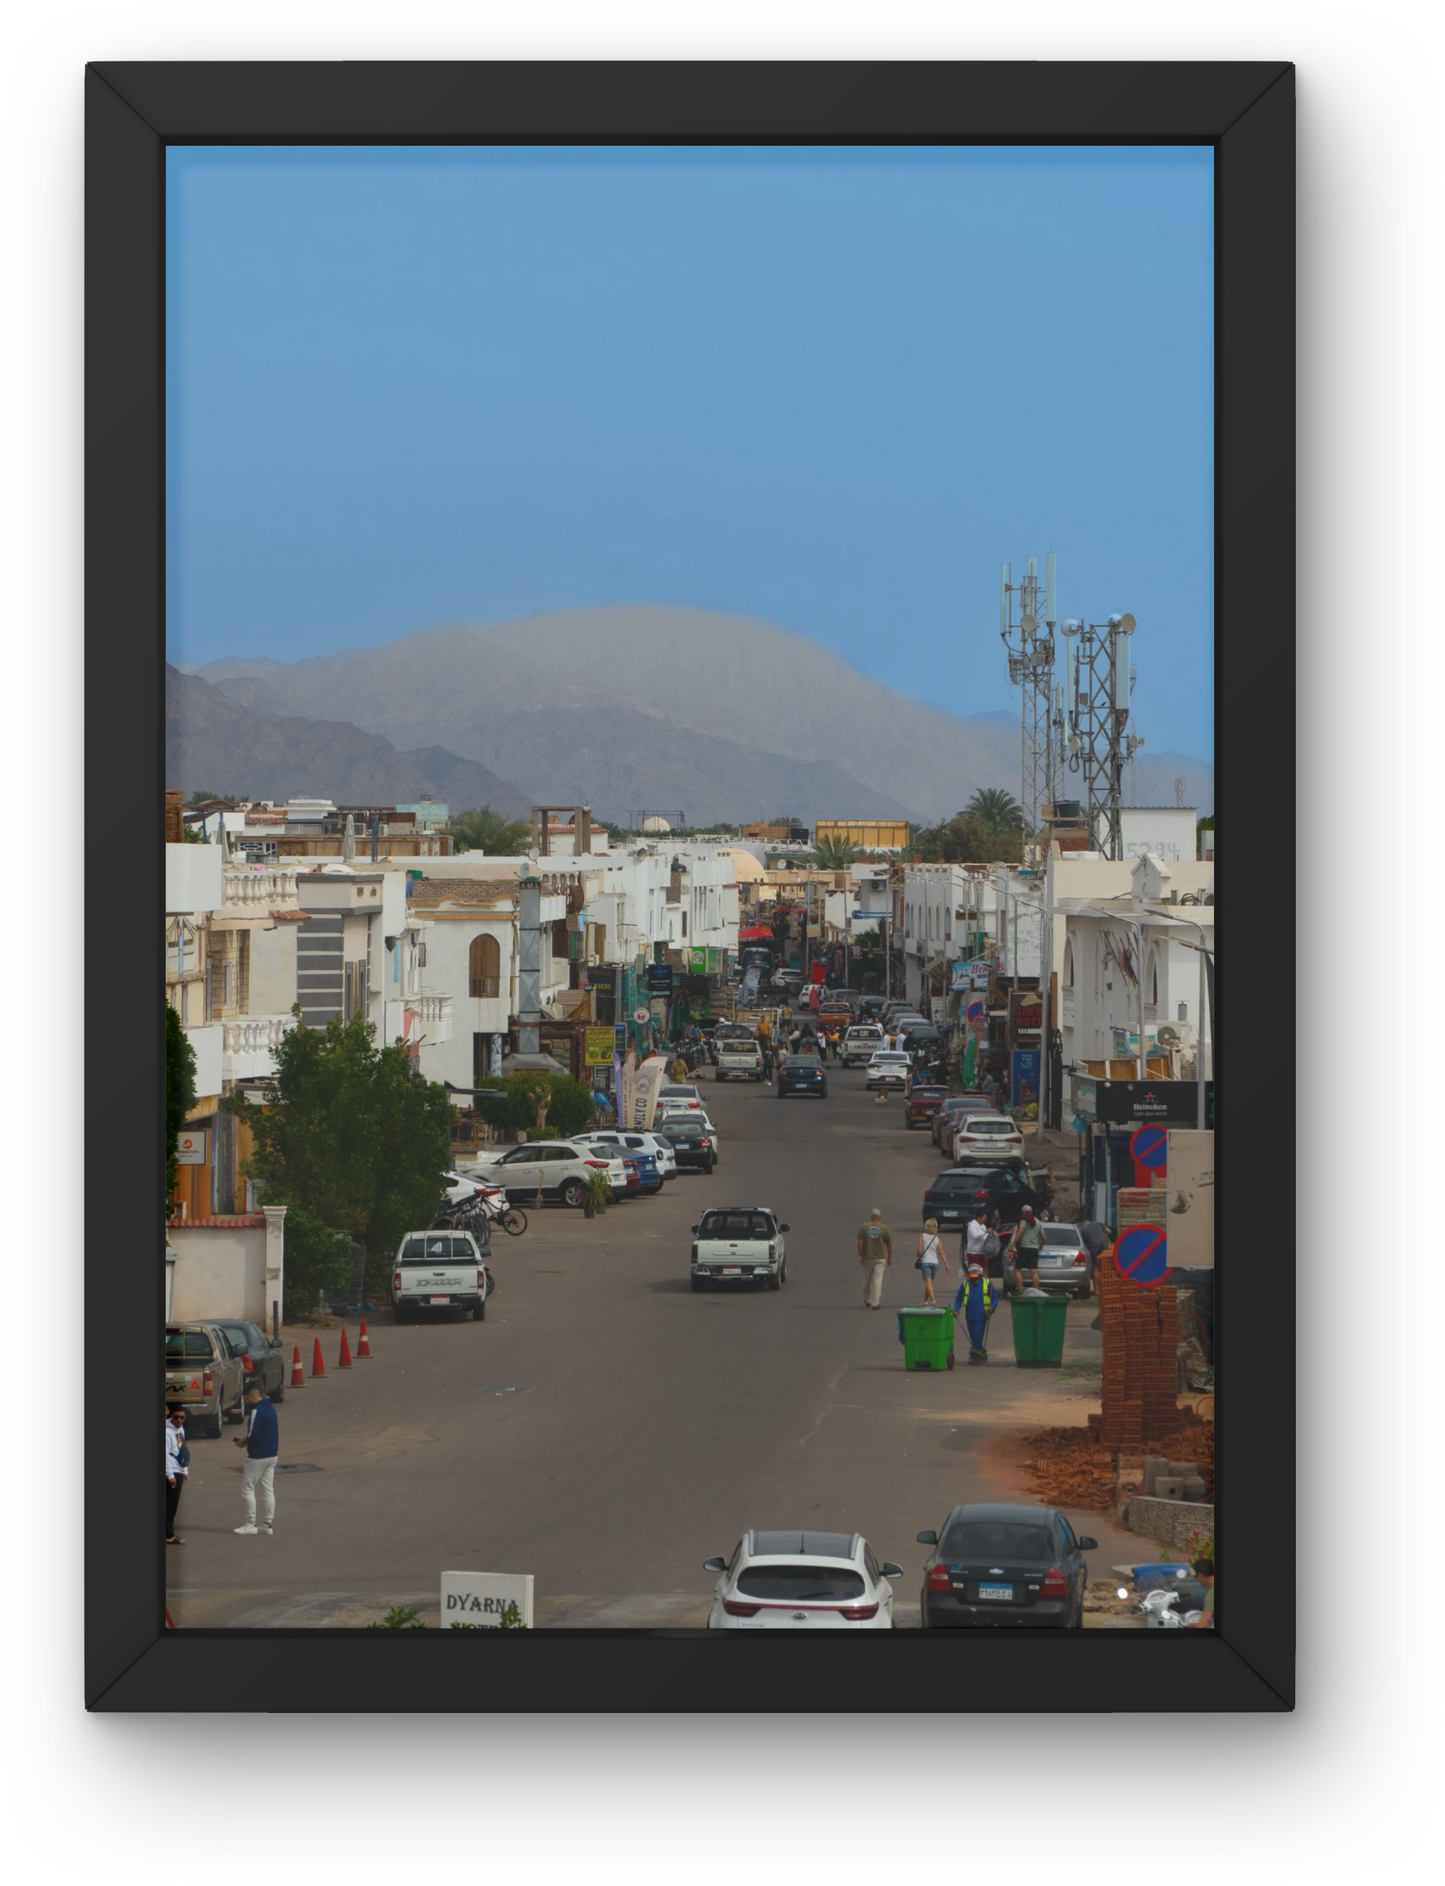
{"x":343,"y":1361}
{"x":363,"y":1343}
{"x":298,"y":1374}
{"x":318,"y":1366}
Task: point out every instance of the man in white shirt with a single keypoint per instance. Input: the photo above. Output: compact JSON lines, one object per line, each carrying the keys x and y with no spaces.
{"x":976,"y":1235}
{"x":177,"y":1467}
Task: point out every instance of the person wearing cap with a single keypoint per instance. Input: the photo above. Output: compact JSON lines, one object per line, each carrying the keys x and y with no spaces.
{"x":875,"y":1253}
{"x":1024,"y":1245}
{"x":976,"y":1303}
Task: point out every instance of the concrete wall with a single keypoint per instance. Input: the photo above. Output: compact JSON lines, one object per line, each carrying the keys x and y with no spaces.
{"x":1169,"y":1521}
{"x":228,"y":1267}
{"x":193,"y":878}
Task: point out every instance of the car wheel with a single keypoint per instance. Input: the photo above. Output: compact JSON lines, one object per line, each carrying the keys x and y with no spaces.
{"x":699,"y":1283}
{"x":237,"y":1414}
{"x":403,"y":1312}
{"x":216,"y":1425}
{"x":775,"y":1282}
{"x":573,"y":1193}
{"x":479,"y":1313}
{"x":278,"y":1393}
{"x":710,"y":1164}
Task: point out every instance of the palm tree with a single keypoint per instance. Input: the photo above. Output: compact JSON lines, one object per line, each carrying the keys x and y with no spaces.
{"x":998,"y":809}
{"x":834,"y":854}
{"x":490,"y":833}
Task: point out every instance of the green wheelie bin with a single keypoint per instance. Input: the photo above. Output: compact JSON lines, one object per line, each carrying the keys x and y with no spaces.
{"x":1039,"y":1324}
{"x":927,"y":1337}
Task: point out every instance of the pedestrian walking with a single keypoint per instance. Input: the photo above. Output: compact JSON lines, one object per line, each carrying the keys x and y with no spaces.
{"x":930,"y":1256}
{"x":974,"y":1243}
{"x":875,"y":1254}
{"x":1023,"y":1246}
{"x":178,"y":1467}
{"x":262,"y":1442}
{"x":976,"y":1303}
{"x":1204,"y":1572}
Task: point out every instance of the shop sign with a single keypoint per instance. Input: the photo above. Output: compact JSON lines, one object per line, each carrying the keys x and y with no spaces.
{"x":659,"y":979}
{"x":191,"y":1148}
{"x":599,"y":1045}
{"x":1086,"y":1088}
{"x":1122,"y":1103}
{"x":1029,"y":1018}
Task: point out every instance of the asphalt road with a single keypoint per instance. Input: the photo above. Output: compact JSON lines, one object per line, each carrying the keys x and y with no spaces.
{"x":606,"y":1428}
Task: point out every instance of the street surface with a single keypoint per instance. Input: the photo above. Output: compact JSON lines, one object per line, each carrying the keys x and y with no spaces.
{"x":607,"y":1429}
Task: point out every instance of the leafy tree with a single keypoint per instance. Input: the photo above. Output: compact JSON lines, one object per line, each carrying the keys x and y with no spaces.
{"x":548,"y":1106}
{"x":318,"y":1261}
{"x":353,"y":1133}
{"x":999,"y":810}
{"x":490,"y":832}
{"x":835,"y":854}
{"x":180,"y":1092}
{"x":963,"y":839}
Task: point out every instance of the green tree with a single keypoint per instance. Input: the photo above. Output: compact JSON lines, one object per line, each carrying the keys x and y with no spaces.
{"x":550,"y":1106}
{"x":835,"y":854}
{"x":998,"y":810}
{"x":180,"y":1092}
{"x":353,"y":1133}
{"x":489,"y":832}
{"x":963,"y":839}
{"x":318,"y":1261}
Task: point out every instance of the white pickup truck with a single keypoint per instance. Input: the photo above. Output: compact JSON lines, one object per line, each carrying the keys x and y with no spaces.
{"x":441,"y":1271}
{"x":860,"y":1044}
{"x":739,"y":1058}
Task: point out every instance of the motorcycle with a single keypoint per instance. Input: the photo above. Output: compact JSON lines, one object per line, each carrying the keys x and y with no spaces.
{"x":1160,"y":1610}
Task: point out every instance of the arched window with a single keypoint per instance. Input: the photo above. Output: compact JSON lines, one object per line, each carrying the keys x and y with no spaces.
{"x":484,"y":966}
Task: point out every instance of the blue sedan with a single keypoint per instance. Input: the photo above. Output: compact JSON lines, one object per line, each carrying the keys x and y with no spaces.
{"x":648,"y":1170}
{"x":802,"y":1074}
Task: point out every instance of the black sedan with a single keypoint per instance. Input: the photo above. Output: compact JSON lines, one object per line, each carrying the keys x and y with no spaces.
{"x":690,"y":1142}
{"x":264,"y":1361}
{"x":994,"y":1565}
{"x":955,"y":1196}
{"x":802,"y":1074}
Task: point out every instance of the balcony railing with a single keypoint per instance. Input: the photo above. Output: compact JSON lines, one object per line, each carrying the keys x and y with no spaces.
{"x":249,"y":1044}
{"x":258,"y":889}
{"x":434,"y":1017}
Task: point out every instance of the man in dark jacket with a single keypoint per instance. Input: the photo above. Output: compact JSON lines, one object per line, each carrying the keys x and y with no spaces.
{"x":262,"y":1442}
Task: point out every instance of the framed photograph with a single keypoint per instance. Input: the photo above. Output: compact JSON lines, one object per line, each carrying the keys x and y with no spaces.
{"x":644,"y":592}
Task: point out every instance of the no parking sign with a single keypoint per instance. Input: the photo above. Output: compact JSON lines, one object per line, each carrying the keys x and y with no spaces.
{"x":1142,"y":1254}
{"x":976,"y":1013}
{"x":1149,"y":1148}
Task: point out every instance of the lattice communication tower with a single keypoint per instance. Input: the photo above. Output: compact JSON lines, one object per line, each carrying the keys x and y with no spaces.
{"x":1091,"y":719}
{"x":1027,"y":632}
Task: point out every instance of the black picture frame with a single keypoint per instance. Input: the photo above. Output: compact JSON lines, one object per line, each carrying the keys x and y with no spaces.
{"x":1246,"y":112}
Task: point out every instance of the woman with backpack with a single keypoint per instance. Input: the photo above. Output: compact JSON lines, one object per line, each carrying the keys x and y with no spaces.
{"x":930,"y":1256}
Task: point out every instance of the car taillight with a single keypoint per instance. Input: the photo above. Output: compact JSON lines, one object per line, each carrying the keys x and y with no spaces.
{"x":598,"y":1165}
{"x":1079,"y":1260}
{"x":396,"y":1281}
{"x":1055,"y":1585}
{"x":772,"y":1250}
{"x":248,"y":1365}
{"x":703,"y":1140}
{"x":938,"y":1579}
{"x":736,"y":1610}
{"x":481,"y":1278}
{"x":855,"y":1612}
{"x":207,"y":1382}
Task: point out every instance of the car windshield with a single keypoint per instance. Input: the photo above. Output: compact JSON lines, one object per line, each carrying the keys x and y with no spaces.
{"x":928,"y":1093}
{"x":960,"y":1182}
{"x":683,"y":1129}
{"x":891,"y":1059}
{"x":735,"y":1225}
{"x":438,"y":1247}
{"x":809,"y":1062}
{"x":1060,"y":1234}
{"x":801,"y":1584}
{"x":1002,"y":1540}
{"x":984,"y":1127}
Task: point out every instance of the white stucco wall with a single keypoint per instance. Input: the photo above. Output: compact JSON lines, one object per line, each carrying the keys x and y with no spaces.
{"x":233,"y":1270}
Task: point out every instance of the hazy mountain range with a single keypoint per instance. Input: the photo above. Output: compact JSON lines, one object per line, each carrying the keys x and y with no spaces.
{"x":643,"y":708}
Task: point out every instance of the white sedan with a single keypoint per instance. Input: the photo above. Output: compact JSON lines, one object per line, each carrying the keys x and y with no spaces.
{"x":888,"y":1068}
{"x":987,"y":1136}
{"x":802,"y":1581}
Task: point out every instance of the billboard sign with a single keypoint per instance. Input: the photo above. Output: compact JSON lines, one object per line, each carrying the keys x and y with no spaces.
{"x":599,"y":1044}
{"x":1132,"y":1103}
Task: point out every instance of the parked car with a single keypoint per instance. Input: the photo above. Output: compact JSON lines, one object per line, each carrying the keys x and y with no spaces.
{"x":556,"y":1169}
{"x":921,"y":1103}
{"x":802,"y":1074}
{"x":679,"y":1093}
{"x":888,"y":1068}
{"x":873,"y":1005}
{"x":986,"y":1136}
{"x":263,"y":1360}
{"x":956,"y":1195}
{"x":690,"y":1141}
{"x":739,"y":1244}
{"x":621,"y":1144}
{"x":644,"y":1166}
{"x":949,"y":1133}
{"x":1064,"y":1260}
{"x":701,"y":1115}
{"x":739,"y":1057}
{"x":796,"y":1581}
{"x":205,"y":1374}
{"x":996,"y":1564}
{"x":947,"y":1114}
{"x":441,"y":1270}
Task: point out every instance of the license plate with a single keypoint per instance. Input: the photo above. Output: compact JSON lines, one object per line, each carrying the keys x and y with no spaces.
{"x":1001,"y":1592}
{"x":732,"y":1270}
{"x":1045,"y":1262}
{"x":946,"y":1213}
{"x":439,"y":1299}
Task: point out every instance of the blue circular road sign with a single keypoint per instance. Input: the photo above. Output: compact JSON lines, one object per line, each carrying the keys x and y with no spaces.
{"x":1150,"y":1147}
{"x":1142,"y":1254}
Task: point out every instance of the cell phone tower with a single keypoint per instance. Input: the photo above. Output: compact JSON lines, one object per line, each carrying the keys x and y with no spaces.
{"x":1091,"y":719}
{"x":1031,"y":667}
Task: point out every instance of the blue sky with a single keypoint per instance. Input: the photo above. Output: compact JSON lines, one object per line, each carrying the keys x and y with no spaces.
{"x":835,"y":390}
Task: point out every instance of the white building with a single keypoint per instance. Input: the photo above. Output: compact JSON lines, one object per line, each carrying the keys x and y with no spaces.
{"x":1170,"y":832}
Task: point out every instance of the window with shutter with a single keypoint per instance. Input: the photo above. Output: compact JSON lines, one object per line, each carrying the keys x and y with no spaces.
{"x":484,"y":967}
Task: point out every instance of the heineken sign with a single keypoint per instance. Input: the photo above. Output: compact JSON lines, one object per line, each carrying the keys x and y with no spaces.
{"x":1124,"y":1103}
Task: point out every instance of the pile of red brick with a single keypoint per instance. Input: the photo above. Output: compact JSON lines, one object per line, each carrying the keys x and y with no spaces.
{"x":1141,"y":1362}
